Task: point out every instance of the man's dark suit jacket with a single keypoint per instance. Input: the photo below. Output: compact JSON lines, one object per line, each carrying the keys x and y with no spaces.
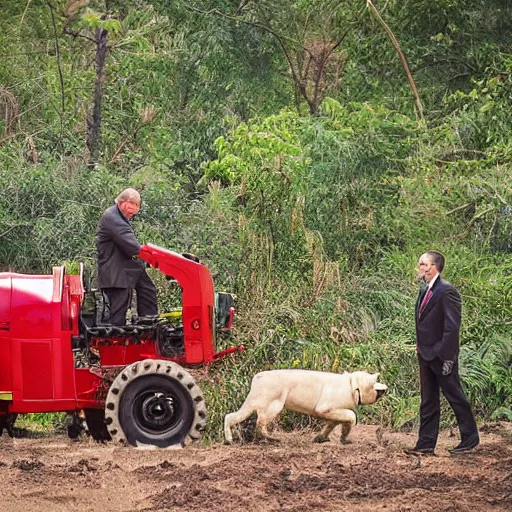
{"x":117,"y":245}
{"x":438,"y":325}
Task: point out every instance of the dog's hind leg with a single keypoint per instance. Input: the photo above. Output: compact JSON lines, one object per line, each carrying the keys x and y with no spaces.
{"x":230,"y":420}
{"x":267,"y":416}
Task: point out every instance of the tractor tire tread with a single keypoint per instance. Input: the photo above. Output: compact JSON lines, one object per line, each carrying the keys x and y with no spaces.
{"x":167,"y":369}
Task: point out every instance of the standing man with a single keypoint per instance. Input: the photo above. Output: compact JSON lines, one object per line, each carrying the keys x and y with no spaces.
{"x":438,"y":316}
{"x":119,"y":270}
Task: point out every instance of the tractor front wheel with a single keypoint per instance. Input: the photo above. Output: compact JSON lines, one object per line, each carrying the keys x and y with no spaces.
{"x":155,"y":403}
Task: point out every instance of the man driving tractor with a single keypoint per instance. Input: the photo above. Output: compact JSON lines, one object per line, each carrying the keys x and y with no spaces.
{"x":119,"y":270}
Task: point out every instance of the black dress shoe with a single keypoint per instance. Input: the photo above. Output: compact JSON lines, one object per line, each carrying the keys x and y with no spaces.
{"x":419,"y":451}
{"x":462,"y":448}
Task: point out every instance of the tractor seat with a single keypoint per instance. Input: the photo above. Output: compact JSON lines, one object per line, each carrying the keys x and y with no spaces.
{"x":95,"y":310}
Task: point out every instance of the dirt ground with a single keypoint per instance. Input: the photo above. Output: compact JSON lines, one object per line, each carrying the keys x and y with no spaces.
{"x":370,"y":474}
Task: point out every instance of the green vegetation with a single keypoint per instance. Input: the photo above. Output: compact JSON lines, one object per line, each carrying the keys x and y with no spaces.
{"x":283,"y":144}
{"x":39,"y":424}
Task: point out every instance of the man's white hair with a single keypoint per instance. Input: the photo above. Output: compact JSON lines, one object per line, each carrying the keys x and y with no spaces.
{"x":128,"y":195}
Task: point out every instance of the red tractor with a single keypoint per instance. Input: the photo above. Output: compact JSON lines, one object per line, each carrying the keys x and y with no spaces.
{"x":57,"y":353}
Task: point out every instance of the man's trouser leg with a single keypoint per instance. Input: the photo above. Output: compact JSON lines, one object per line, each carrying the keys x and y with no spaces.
{"x":119,"y":299}
{"x":430,"y":408}
{"x":452,"y":390}
{"x":147,"y":304}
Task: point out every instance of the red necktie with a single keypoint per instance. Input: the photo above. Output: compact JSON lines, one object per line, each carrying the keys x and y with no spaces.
{"x":425,"y":300}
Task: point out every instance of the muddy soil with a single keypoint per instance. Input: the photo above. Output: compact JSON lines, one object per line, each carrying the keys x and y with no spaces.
{"x":52,"y":473}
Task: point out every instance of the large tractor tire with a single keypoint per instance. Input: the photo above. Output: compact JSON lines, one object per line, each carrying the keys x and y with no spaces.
{"x":155,"y":404}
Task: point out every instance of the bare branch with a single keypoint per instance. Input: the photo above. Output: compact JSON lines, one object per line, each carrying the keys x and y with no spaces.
{"x":24,"y":12}
{"x":394,"y":41}
{"x":347,"y":32}
{"x":74,"y":33}
{"x":461,"y":207}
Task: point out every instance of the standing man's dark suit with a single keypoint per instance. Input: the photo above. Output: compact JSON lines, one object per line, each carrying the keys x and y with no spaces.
{"x":438,"y":319}
{"x":119,"y":270}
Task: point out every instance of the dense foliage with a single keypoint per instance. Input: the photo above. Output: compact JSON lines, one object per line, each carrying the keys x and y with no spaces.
{"x":282,"y":142}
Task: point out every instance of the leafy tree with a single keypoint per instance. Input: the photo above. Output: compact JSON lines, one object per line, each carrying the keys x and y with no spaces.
{"x":309,"y":35}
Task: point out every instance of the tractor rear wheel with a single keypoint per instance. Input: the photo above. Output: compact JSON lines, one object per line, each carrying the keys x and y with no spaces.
{"x":155,"y":403}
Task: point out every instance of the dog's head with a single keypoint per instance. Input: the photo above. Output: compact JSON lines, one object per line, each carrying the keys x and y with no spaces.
{"x":365,"y":388}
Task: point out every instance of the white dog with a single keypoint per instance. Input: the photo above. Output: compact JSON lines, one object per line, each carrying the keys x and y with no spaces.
{"x":332,"y":397}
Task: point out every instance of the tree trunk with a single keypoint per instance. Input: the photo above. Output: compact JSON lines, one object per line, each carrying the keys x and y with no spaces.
{"x":94,"y":120}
